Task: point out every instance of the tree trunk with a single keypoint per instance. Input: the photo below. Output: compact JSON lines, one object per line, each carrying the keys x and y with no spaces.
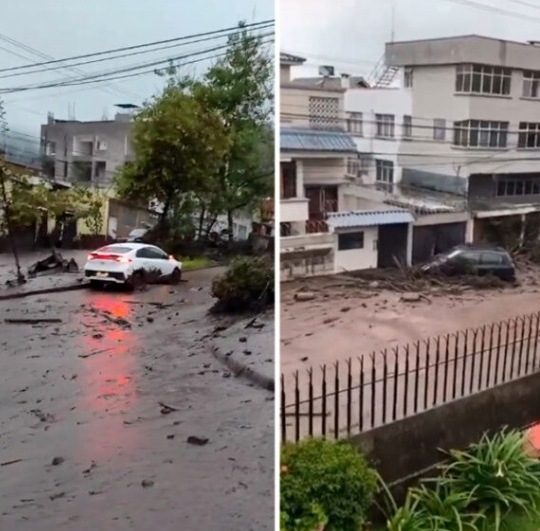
{"x":20,"y":276}
{"x":209,"y":227}
{"x":163,"y":220}
{"x":201,"y":222}
{"x":230,"y":224}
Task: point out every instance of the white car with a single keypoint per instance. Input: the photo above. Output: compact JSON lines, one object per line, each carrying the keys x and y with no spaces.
{"x":131,"y":264}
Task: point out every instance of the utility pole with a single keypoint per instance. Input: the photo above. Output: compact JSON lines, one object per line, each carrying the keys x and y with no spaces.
{"x":7,"y":219}
{"x":393,"y":30}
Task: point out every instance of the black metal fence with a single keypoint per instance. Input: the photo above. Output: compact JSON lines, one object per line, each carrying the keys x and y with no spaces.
{"x":344,"y":399}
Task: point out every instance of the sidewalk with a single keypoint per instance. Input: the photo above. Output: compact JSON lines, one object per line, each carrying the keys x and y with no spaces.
{"x":247,"y":348}
{"x":43,"y":282}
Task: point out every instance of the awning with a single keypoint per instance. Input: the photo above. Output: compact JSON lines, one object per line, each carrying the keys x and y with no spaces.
{"x":346,"y":220}
{"x":293,"y":139}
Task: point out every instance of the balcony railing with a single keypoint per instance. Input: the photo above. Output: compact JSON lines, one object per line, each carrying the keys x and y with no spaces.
{"x":314,"y":226}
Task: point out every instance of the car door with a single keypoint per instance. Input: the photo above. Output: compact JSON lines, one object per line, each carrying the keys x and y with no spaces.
{"x":159,"y":260}
{"x":142,"y":260}
{"x":490,"y":263}
{"x":465,"y":263}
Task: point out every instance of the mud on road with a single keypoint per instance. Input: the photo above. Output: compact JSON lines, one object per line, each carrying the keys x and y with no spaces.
{"x":119,"y":417}
{"x":343,"y":317}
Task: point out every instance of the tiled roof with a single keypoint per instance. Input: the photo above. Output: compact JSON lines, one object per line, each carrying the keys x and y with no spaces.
{"x":423,"y":207}
{"x":342,"y":220}
{"x":292,"y":139}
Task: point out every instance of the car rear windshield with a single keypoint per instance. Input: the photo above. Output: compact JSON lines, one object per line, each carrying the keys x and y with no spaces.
{"x":115,"y":249}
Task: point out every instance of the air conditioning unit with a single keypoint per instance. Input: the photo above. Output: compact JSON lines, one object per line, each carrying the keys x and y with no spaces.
{"x":101,"y":145}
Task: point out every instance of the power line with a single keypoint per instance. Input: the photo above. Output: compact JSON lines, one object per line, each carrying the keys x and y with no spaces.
{"x":67,"y":68}
{"x":102,"y":77}
{"x":138,"y":46}
{"x":352,"y":120}
{"x":140,"y":52}
{"x":493,"y":9}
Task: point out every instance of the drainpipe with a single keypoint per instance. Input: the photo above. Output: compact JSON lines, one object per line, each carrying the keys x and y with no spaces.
{"x":522,"y":231}
{"x":410,"y":236}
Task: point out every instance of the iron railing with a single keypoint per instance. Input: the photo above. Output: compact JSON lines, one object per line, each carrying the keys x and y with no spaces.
{"x":343,"y":399}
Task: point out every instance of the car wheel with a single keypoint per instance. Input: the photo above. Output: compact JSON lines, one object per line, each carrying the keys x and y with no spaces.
{"x":176,"y":276}
{"x":136,"y":281}
{"x":96,"y":284}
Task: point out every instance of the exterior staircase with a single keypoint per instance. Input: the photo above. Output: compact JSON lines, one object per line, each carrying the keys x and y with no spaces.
{"x":382,"y":75}
{"x":387,"y":77}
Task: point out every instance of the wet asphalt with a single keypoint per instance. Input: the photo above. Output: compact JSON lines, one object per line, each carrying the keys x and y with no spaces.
{"x":96,"y":412}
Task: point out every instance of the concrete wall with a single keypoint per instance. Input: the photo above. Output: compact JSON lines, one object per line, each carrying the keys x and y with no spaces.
{"x":466,"y":49}
{"x":357,"y":259}
{"x":307,"y":255}
{"x":408,"y":447}
{"x":307,"y":264}
{"x":294,"y":103}
{"x":324,"y":170}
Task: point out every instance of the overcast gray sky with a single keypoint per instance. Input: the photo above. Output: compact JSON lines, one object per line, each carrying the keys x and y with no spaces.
{"x":350,"y":34}
{"x":63,"y":28}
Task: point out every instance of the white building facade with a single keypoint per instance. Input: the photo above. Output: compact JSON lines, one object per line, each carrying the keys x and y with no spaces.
{"x":323,"y":227}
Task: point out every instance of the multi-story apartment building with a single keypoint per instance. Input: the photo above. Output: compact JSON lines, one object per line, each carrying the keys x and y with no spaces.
{"x":324,"y":223}
{"x":456,"y":140}
{"x":86,"y":152}
{"x":475,"y":132}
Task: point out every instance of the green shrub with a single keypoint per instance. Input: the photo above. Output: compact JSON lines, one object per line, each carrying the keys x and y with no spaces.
{"x":499,"y":475}
{"x":325,"y":482}
{"x":247,"y":284}
{"x":427,"y":509}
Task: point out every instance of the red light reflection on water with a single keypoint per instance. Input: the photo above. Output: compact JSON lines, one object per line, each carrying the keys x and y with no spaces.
{"x":107,"y":378}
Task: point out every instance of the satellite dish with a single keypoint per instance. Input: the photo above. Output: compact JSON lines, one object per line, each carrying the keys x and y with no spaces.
{"x":326,"y":71}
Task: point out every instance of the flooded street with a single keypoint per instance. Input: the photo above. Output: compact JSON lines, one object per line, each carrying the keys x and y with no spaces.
{"x":120,"y":418}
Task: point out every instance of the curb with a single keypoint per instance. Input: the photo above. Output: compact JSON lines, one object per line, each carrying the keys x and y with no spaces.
{"x":46,"y":291}
{"x":214,"y":266}
{"x":239,"y":369}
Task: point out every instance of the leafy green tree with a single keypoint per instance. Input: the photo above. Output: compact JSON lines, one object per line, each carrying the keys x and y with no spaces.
{"x":179,"y":144}
{"x":3,"y":128}
{"x":240,"y":88}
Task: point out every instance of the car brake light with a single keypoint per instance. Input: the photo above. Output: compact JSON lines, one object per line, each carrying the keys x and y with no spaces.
{"x":110,"y":257}
{"x":171,"y":257}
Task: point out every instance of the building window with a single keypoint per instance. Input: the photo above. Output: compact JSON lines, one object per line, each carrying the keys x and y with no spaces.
{"x":407,"y":126}
{"x":531,"y":84}
{"x":481,"y":79}
{"x":285,"y":229}
{"x":365,"y":161}
{"x":529,"y":135}
{"x":323,"y":112}
{"x":510,"y":187}
{"x":353,"y":166}
{"x":355,"y":123}
{"x":82,"y":171}
{"x":288,"y":180}
{"x":50,"y":149}
{"x":481,"y":133}
{"x":100,"y":170}
{"x":385,"y":125}
{"x":384,"y":175}
{"x":350,"y":240}
{"x":439,"y":129}
{"x":408,"y":78}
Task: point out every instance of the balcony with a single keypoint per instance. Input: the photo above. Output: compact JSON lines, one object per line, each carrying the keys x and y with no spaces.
{"x":294,"y":209}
